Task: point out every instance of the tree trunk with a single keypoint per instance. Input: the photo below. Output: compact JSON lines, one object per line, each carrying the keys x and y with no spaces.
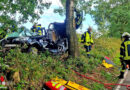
{"x":70,"y":29}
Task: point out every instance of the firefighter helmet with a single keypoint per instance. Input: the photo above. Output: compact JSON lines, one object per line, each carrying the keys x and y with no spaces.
{"x":125,"y":34}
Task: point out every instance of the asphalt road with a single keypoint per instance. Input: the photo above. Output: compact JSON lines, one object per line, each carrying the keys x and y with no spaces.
{"x":126,"y":81}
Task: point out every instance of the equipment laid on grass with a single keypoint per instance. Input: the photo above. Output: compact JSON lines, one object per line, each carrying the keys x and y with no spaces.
{"x":1,"y":78}
{"x":107,"y":62}
{"x":2,"y":83}
{"x":60,"y":84}
{"x":53,"y":85}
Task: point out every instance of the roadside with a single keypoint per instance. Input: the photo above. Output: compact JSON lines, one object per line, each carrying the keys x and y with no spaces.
{"x":33,"y":72}
{"x":125,"y":81}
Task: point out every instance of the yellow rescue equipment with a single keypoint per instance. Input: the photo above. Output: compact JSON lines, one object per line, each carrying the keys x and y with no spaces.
{"x":107,"y":62}
{"x":69,"y":84}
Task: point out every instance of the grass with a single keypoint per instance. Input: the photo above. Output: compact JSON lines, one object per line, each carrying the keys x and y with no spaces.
{"x":35,"y":70}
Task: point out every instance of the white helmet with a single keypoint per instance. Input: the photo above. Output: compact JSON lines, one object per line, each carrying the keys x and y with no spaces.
{"x":125,"y":34}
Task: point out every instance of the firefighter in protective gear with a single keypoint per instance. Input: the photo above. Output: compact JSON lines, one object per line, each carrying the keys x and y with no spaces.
{"x":87,"y":40}
{"x":124,"y":53}
{"x":34,"y":27}
{"x":39,"y":30}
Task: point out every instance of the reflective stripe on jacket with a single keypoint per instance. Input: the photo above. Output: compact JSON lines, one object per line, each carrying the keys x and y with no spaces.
{"x":125,"y":50}
{"x":88,"y":39}
{"x":33,"y":29}
{"x":38,"y":27}
{"x":40,"y":32}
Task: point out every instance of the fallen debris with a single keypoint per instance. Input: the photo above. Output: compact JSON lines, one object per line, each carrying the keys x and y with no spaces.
{"x":107,"y":62}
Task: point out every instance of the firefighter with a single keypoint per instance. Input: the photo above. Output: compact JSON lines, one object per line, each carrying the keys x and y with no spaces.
{"x":124,"y":53}
{"x":39,"y":30}
{"x":34,"y":27}
{"x":87,"y":40}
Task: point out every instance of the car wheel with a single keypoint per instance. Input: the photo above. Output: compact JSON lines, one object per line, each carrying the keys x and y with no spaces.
{"x":33,"y":50}
{"x":3,"y":44}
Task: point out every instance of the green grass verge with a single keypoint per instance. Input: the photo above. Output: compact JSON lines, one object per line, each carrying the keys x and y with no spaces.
{"x":35,"y":70}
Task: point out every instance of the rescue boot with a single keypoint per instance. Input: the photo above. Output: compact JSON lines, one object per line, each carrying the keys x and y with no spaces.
{"x":121,"y":76}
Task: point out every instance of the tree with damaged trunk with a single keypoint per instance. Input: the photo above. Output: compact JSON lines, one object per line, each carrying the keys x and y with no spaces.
{"x":71,"y":23}
{"x":70,"y":29}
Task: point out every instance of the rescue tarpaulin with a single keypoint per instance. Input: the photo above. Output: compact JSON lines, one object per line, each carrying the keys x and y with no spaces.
{"x":107,"y":62}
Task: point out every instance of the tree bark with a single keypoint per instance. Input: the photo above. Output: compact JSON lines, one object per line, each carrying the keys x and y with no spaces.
{"x":70,"y":29}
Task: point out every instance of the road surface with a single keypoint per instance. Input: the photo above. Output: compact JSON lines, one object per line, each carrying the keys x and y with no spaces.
{"x":126,"y":81}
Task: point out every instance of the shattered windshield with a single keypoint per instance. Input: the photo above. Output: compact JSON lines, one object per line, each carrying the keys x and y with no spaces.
{"x":22,"y":33}
{"x":27,"y":33}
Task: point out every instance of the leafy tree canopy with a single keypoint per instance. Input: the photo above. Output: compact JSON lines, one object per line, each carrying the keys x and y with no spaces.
{"x":81,"y":5}
{"x":22,"y":10}
{"x":112,"y":16}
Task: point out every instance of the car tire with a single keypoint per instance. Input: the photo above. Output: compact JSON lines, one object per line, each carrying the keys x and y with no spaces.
{"x":3,"y":44}
{"x":33,"y":50}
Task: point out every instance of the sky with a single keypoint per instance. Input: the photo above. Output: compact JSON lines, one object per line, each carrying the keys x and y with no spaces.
{"x":49,"y":17}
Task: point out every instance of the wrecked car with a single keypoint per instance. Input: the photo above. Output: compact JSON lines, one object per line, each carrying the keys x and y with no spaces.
{"x":33,"y":41}
{"x":16,"y":38}
{"x":55,"y":39}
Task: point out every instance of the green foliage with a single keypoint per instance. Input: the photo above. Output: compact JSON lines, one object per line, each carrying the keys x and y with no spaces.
{"x":2,"y":64}
{"x":97,"y":86}
{"x":37,"y":69}
{"x":80,"y":5}
{"x":108,"y":76}
{"x":112,"y":16}
{"x":15,"y":12}
{"x":30,"y":68}
{"x":106,"y":47}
